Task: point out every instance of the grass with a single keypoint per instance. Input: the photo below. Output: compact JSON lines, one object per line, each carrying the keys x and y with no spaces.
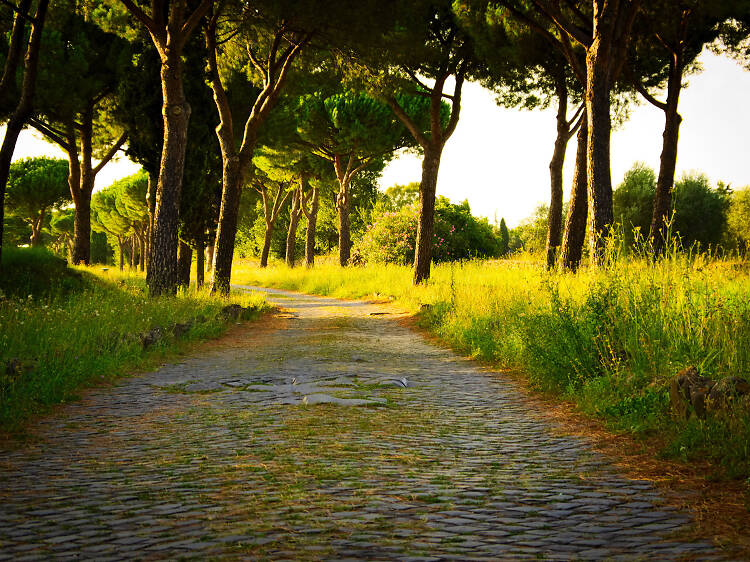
{"x":82,"y":327}
{"x":610,"y":340}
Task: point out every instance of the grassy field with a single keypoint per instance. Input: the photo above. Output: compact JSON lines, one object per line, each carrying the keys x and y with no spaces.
{"x":611,"y":341}
{"x":62,"y":329}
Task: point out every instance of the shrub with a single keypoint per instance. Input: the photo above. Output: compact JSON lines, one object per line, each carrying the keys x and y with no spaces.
{"x":458,"y":235}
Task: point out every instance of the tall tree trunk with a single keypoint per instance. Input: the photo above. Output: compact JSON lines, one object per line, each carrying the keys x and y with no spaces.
{"x":82,"y":221}
{"x":291,"y":236}
{"x":668,"y":163}
{"x":598,"y":159}
{"x":312,"y":220}
{"x":176,"y":114}
{"x":36,"y":229}
{"x":575,"y":223}
{"x":200,"y":263}
{"x":343,"y":206}
{"x":426,"y":225}
{"x":23,"y":109}
{"x":151,"y":204}
{"x":226,"y":231}
{"x":184,"y":261}
{"x":122,"y":253}
{"x":142,"y":263}
{"x":131,"y":254}
{"x":266,"y":245}
{"x":612,"y":22}
{"x":210,"y":256}
{"x":82,"y":229}
{"x":15,"y":47}
{"x":554,"y":221}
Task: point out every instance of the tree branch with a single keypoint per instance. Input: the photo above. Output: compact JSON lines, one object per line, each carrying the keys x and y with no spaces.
{"x":456,"y":105}
{"x":51,"y":134}
{"x":140,"y":15}
{"x":553,"y":12}
{"x":407,"y":121}
{"x":110,"y":153}
{"x":19,"y":11}
{"x":195,"y":17}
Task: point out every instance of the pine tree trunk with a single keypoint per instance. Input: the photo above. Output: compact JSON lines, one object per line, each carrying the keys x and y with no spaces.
{"x":122,"y":254}
{"x":343,"y":206}
{"x":176,"y":114}
{"x":598,"y":150}
{"x":210,"y":256}
{"x":668,"y":163}
{"x":82,"y":229}
{"x":575,"y":223}
{"x":312,"y":221}
{"x":36,"y":230}
{"x":266,"y":245}
{"x":142,"y":263}
{"x":226,"y":230}
{"x":554,"y":222}
{"x":200,"y":263}
{"x":23,"y":109}
{"x":151,"y":204}
{"x":426,"y":225}
{"x":291,"y":235}
{"x":184,"y":261}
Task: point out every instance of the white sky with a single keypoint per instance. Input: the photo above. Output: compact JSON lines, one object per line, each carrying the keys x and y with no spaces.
{"x":498,"y":158}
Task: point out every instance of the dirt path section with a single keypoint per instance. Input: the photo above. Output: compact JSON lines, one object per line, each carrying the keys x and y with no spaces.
{"x":341,"y":434}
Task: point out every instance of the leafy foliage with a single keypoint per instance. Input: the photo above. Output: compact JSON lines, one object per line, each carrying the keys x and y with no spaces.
{"x":36,"y":186}
{"x":458,"y":235}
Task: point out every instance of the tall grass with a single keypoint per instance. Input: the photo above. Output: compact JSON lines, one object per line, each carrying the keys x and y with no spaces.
{"x":66,"y":340}
{"x":610,"y":340}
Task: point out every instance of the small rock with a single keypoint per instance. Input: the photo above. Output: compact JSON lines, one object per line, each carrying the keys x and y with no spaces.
{"x":180,"y":330}
{"x":151,"y":337}
{"x":687,"y":393}
{"x":727,"y":392}
{"x":232,"y":311}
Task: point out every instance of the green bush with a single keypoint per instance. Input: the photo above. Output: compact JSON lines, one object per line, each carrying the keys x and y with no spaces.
{"x":458,"y":235}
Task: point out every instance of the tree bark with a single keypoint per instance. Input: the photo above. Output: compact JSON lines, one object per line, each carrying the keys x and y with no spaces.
{"x":312,"y":220}
{"x":575,"y":223}
{"x":184,"y":261}
{"x":200,"y":264}
{"x":176,"y":115}
{"x":668,"y":162}
{"x":122,"y":254}
{"x":84,"y":188}
{"x":343,"y":206}
{"x":226,"y":230}
{"x":426,"y":225}
{"x":266,"y":245}
{"x":210,"y":256}
{"x":23,"y":108}
{"x":554,"y":221}
{"x":151,"y":204}
{"x":7,"y":81}
{"x":598,"y":152}
{"x":36,"y":229}
{"x":291,"y":236}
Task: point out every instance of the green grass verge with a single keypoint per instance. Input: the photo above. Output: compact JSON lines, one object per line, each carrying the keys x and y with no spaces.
{"x":56,"y":340}
{"x":610,"y":340}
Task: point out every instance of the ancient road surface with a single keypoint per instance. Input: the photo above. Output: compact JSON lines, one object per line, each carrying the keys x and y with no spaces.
{"x":239,"y":453}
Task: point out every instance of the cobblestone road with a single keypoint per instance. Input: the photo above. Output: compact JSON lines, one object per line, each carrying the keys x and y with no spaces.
{"x":235,"y":453}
